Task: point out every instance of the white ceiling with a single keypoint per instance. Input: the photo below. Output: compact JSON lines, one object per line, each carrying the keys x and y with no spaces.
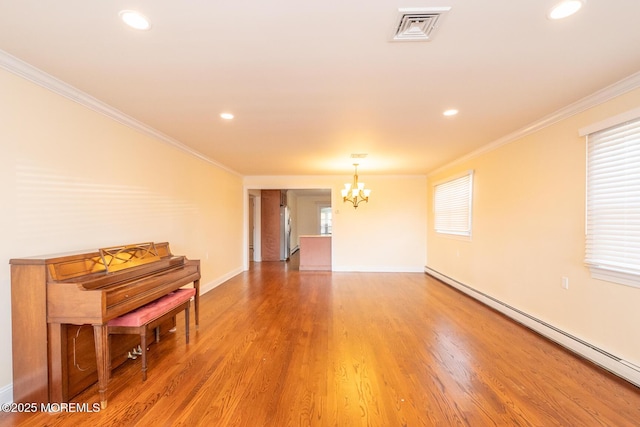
{"x":312,"y":82}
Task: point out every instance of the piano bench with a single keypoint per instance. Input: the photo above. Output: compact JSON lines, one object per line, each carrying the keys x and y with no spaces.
{"x":149,"y":317}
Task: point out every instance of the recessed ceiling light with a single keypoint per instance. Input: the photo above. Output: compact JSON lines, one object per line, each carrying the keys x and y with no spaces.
{"x":226,"y":116}
{"x":565,"y":8}
{"x":451,"y":112}
{"x":135,"y":19}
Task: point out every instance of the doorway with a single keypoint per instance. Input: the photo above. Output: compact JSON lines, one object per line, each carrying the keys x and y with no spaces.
{"x":304,"y":218}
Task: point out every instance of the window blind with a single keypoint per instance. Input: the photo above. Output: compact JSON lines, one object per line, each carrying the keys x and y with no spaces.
{"x":452,"y":202}
{"x":613,"y":203}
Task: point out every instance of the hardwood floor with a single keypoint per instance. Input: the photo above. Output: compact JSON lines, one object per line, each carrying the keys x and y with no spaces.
{"x":280,"y":347}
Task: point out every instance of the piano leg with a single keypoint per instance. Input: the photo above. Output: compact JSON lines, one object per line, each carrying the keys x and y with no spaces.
{"x":101,"y":337}
{"x":58,"y":373}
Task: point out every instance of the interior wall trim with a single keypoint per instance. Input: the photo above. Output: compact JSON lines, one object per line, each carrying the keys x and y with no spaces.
{"x":621,"y":87}
{"x":47,"y":81}
{"x":204,"y":288}
{"x":6,"y":394}
{"x":600,"y":357}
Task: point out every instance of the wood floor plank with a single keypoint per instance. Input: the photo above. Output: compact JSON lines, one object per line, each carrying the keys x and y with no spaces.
{"x":280,"y":347}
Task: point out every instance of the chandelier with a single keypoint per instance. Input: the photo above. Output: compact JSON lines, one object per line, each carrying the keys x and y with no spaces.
{"x":355,"y":193}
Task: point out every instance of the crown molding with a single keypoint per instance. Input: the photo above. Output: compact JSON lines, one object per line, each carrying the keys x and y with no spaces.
{"x":47,"y":81}
{"x":39,"y":77}
{"x":603,"y":95}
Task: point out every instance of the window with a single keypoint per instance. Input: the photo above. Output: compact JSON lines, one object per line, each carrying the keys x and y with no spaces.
{"x":613,"y":203}
{"x":325,"y":220}
{"x":452,"y":205}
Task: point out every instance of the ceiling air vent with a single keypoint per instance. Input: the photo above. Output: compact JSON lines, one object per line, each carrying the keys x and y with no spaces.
{"x":418,"y":24}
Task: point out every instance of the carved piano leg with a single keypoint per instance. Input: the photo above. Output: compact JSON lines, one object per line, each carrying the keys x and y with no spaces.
{"x":101,"y":337}
{"x":57,"y":375}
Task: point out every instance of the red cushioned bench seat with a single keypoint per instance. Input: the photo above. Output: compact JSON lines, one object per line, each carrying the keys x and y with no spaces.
{"x":150,"y":316}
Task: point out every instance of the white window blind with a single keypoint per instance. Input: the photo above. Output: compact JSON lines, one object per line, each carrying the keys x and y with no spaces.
{"x":452,"y":205}
{"x":613,"y":203}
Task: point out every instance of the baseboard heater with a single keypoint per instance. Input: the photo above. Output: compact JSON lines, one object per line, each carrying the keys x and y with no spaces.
{"x":600,"y":357}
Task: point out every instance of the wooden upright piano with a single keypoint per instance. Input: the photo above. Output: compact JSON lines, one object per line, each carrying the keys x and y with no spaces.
{"x":60,"y":305}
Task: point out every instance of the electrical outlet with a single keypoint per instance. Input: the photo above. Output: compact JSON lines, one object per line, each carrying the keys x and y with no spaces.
{"x":565,"y":282}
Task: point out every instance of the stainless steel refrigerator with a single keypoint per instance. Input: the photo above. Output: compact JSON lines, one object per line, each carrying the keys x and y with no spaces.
{"x":285,"y":229}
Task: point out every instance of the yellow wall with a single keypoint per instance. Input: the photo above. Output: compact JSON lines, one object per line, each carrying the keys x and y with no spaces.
{"x":73,"y":179}
{"x":528,"y":232}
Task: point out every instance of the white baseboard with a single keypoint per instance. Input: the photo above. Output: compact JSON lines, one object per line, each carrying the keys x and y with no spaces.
{"x":219,"y":280}
{"x":6,"y":394}
{"x":375,"y":269}
{"x":600,"y":357}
